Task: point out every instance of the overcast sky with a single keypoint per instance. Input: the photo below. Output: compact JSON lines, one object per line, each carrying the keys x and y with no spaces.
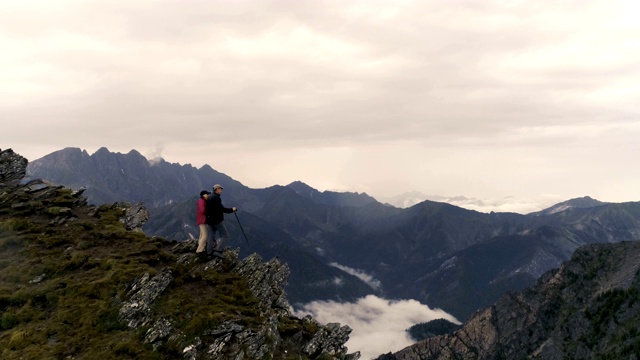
{"x":484,"y":99}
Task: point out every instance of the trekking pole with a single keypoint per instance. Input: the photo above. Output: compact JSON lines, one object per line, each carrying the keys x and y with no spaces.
{"x":241,"y":229}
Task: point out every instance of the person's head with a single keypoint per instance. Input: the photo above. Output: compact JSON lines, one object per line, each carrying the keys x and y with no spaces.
{"x":217,"y":188}
{"x":204,"y":194}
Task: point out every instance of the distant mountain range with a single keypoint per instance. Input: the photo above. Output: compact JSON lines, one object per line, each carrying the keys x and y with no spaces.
{"x":443,"y":255}
{"x":507,"y":204}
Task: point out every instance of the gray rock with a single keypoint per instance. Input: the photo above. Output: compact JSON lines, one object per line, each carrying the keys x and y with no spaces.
{"x":328,"y":340}
{"x":161,"y":329}
{"x":266,"y":281}
{"x":13,"y":168}
{"x":136,"y":311}
{"x":245,"y":343}
{"x":135,"y":216}
{"x":37,"y":279}
{"x":190,"y":352}
{"x":38,"y":185}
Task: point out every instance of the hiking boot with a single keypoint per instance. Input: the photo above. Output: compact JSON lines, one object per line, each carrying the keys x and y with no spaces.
{"x":203,"y":256}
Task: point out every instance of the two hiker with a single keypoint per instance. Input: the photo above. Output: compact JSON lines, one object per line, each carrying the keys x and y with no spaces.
{"x":209,"y":216}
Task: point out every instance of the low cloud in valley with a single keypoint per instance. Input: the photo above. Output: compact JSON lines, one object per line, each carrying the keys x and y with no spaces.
{"x":378,"y":324}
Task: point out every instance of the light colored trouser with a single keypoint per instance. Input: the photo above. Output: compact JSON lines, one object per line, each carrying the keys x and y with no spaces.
{"x":221,"y":243}
{"x":202,"y":240}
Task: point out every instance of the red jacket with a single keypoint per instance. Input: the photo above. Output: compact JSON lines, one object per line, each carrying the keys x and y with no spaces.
{"x":201,"y":214}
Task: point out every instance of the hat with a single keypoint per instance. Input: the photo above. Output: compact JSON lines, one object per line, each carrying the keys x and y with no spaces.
{"x":217,"y":186}
{"x":204,"y":192}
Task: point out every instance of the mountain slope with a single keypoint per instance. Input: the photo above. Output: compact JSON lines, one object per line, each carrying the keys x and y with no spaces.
{"x":75,"y":283}
{"x":589,"y":308}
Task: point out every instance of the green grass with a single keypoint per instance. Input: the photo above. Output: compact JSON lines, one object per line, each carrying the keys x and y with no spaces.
{"x":86,"y":261}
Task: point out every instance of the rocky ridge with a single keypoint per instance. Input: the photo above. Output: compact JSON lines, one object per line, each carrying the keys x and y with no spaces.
{"x":71,"y":271}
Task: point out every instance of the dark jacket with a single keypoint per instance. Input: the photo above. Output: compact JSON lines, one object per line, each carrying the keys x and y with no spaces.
{"x":215,"y":209}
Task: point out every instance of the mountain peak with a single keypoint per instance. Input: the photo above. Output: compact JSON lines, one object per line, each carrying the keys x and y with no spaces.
{"x":578,"y":203}
{"x":333,"y":198}
{"x":299,"y":186}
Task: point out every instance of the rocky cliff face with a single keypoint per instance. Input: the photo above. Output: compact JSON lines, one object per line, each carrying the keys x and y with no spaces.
{"x":12,"y":168}
{"x":82,"y":281}
{"x":589,"y":308}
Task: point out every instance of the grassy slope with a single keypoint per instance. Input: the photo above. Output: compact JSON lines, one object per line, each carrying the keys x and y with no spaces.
{"x":88,"y":261}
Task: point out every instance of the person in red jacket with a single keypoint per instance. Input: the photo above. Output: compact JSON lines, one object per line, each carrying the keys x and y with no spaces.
{"x":201,"y":219}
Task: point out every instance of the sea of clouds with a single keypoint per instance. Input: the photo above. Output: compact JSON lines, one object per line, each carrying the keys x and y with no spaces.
{"x":379,"y":325}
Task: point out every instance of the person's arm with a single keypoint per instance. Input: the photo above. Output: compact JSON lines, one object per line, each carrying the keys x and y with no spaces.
{"x":228,"y":210}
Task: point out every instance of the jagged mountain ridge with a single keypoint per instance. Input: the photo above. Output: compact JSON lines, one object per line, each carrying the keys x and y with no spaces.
{"x":111,"y":177}
{"x":412,"y":251}
{"x":75,"y":283}
{"x":589,"y":308}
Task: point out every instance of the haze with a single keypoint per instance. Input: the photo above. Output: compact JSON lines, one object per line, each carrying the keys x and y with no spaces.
{"x":530,"y":99}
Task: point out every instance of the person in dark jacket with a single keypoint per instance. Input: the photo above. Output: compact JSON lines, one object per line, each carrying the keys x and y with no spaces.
{"x":215,"y":216}
{"x":201,"y":220}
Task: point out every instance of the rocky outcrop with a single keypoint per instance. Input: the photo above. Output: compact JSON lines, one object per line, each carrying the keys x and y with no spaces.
{"x":232,"y":339}
{"x":586,"y":309}
{"x":13,"y":168}
{"x":266,"y":281}
{"x":281,"y":330}
{"x":136,"y":311}
{"x":134,"y":216}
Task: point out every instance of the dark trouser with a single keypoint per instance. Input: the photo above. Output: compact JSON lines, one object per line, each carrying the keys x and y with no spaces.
{"x":221,"y":243}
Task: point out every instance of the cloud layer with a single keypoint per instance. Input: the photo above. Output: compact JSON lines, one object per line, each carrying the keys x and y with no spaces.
{"x":378,"y":324}
{"x":486,"y":99}
{"x":361,"y":274}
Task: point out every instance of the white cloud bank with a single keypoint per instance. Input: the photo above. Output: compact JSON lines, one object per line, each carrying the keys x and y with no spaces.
{"x":508,"y":204}
{"x":378,"y":324}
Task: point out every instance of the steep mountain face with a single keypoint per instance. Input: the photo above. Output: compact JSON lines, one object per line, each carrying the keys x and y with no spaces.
{"x":514,"y":259}
{"x":81,"y":281}
{"x":589,"y":308}
{"x":446,"y":256}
